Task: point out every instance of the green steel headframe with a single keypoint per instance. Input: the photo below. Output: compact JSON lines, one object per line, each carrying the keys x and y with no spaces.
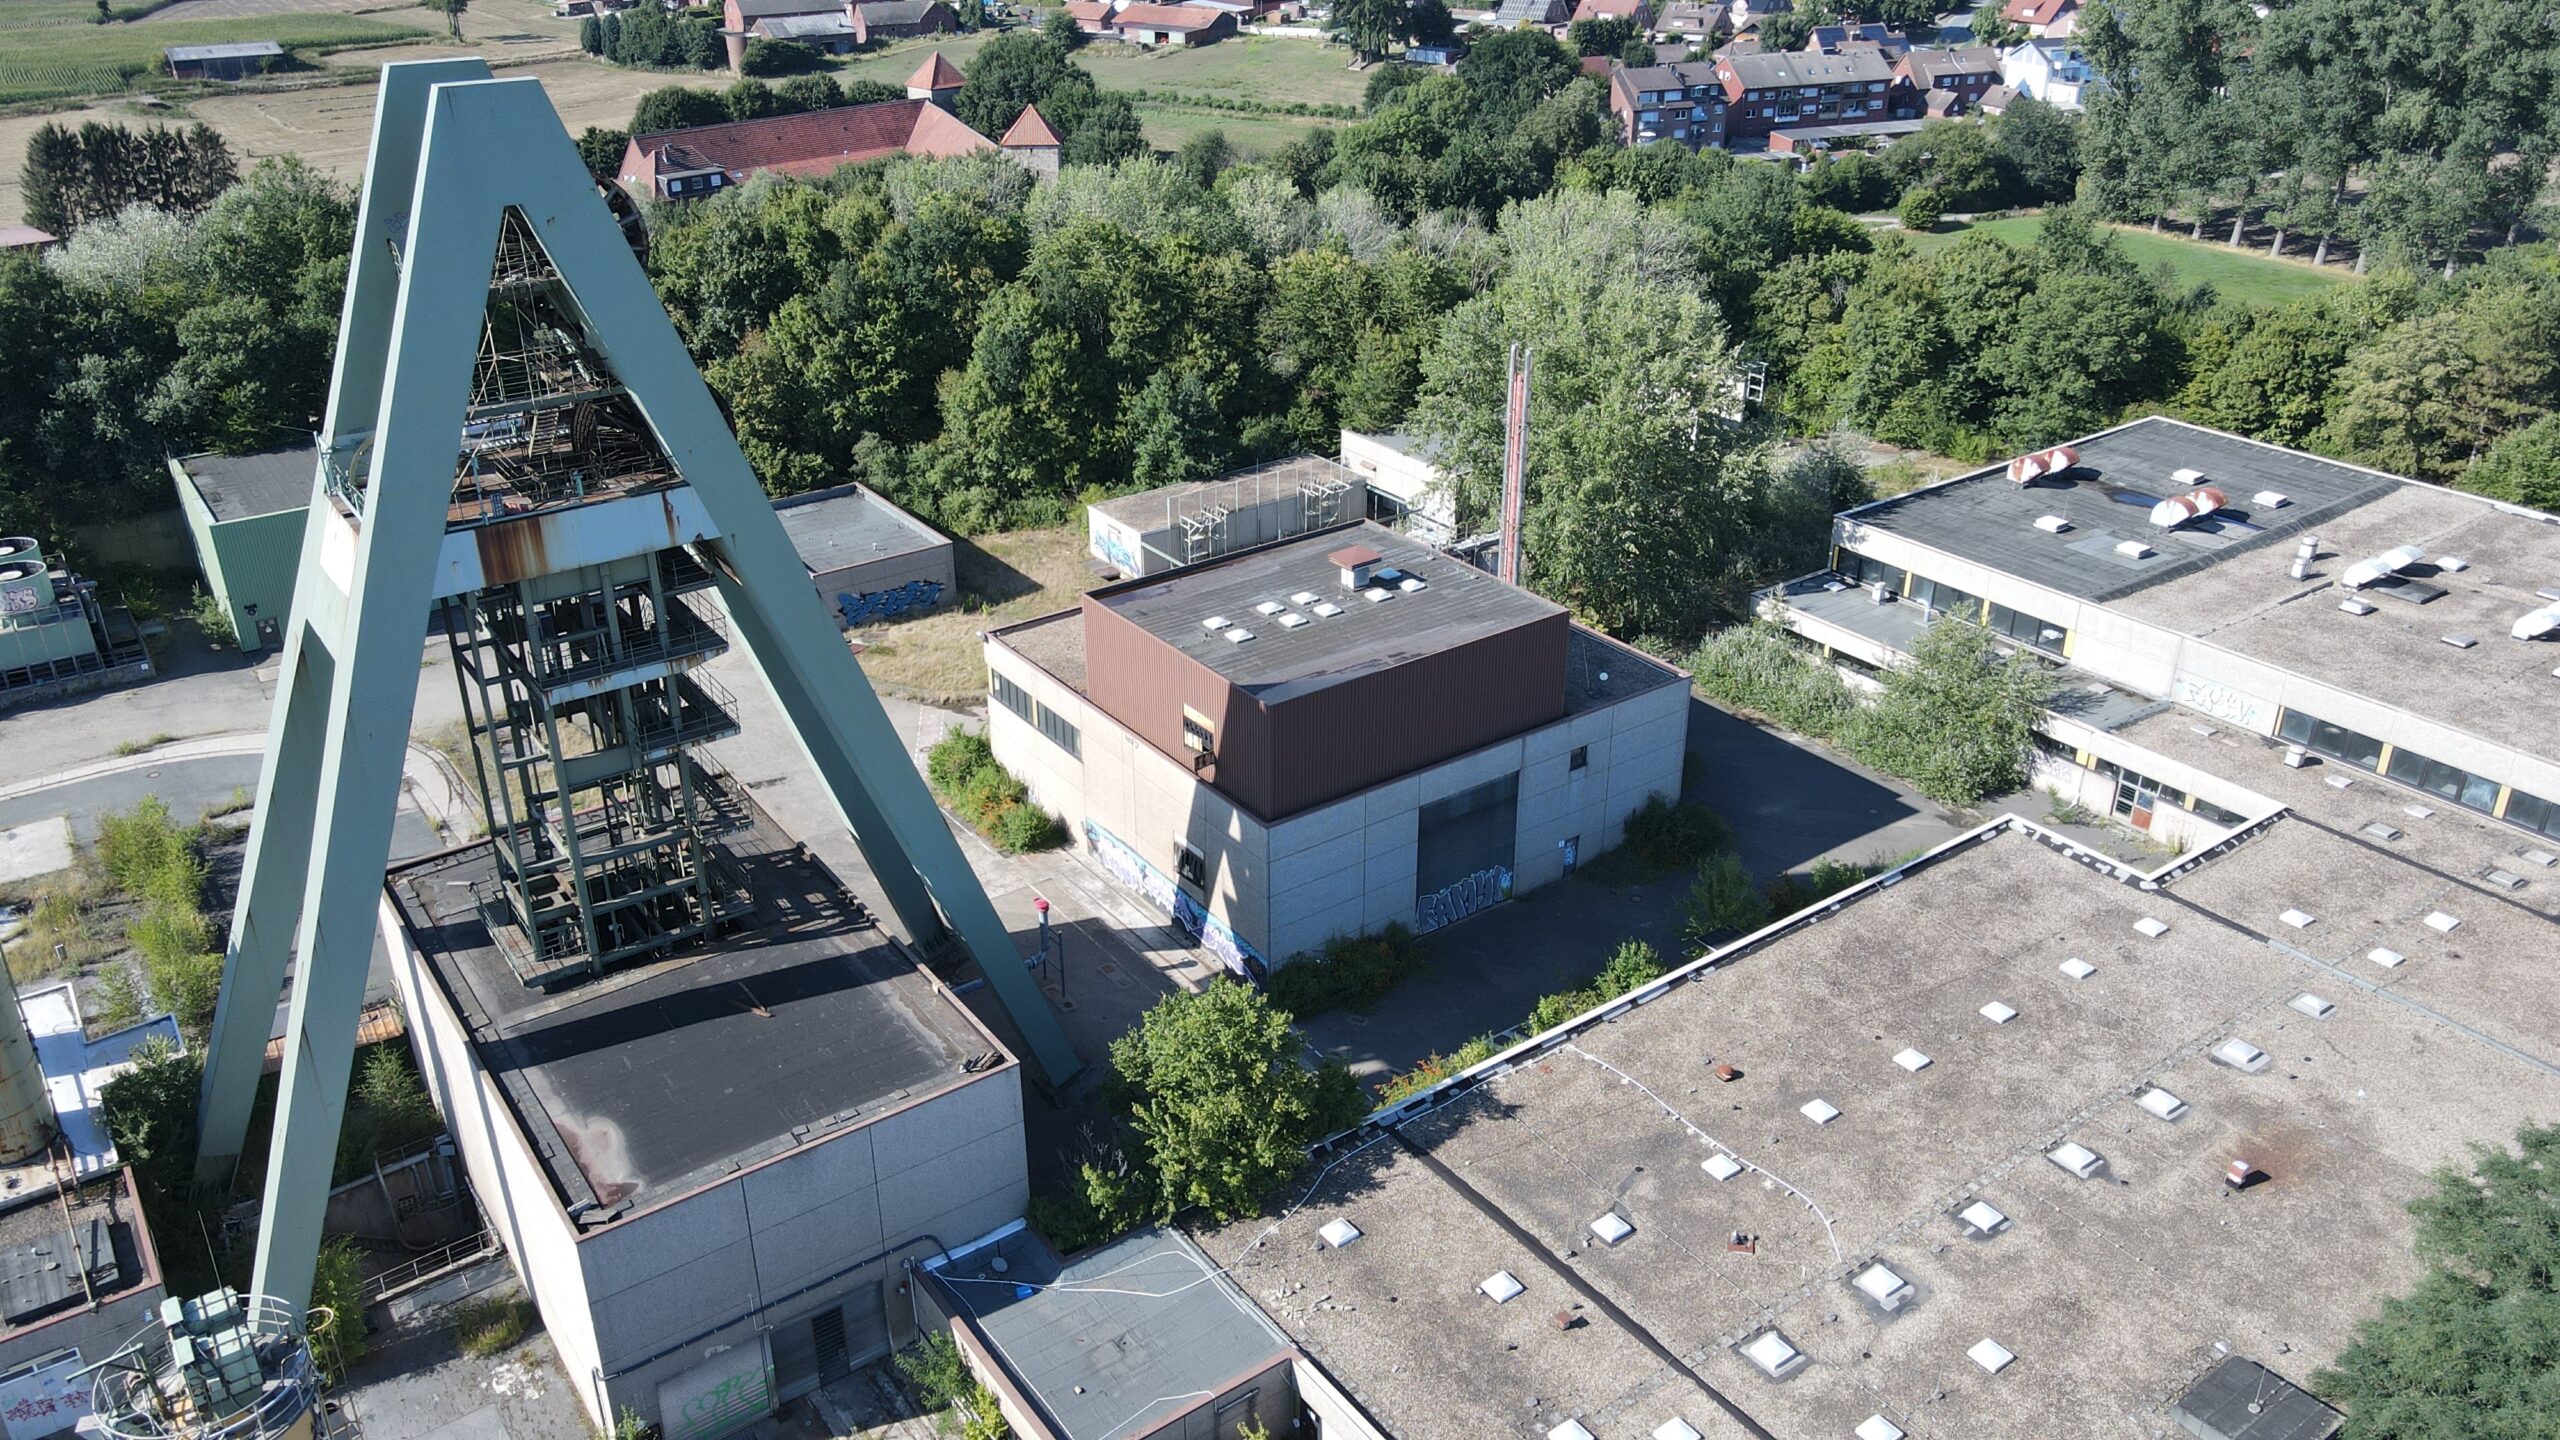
{"x":458,"y":159}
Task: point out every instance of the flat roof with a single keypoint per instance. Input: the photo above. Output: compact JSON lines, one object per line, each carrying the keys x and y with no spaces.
{"x":239,"y":487}
{"x":2114,"y":1293}
{"x":231,"y":50}
{"x":54,"y":1254}
{"x":1457,"y":605}
{"x":1985,"y":518}
{"x":849,"y":525}
{"x":657,"y":1079}
{"x":1135,"y":1331}
{"x":1279,"y":480}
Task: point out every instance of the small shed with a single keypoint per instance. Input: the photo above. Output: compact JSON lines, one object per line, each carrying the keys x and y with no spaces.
{"x":245,"y":515}
{"x":236,"y":61}
{"x":870,"y":560}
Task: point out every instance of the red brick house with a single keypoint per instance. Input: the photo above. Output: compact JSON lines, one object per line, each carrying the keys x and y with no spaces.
{"x":2043,"y":18}
{"x":700,"y":162}
{"x":1944,"y":82}
{"x":900,"y":19}
{"x":1681,"y":103}
{"x":1176,"y":25}
{"x":1640,"y":11}
{"x":1771,"y":91}
{"x":1093,"y":17}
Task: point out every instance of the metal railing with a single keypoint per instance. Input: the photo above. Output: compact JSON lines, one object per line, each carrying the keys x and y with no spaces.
{"x":434,"y":1262}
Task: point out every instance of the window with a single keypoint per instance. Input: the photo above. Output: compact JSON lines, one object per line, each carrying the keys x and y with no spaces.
{"x":1190,"y":866}
{"x":1580,"y":759}
{"x":1863,"y":571}
{"x":2335,"y":741}
{"x":1009,"y":695}
{"x":2437,"y":778}
{"x":2026,"y":629}
{"x":1060,"y":733}
{"x":2534,"y":813}
{"x":1197,"y":733}
{"x":2219,"y":816}
{"x":1948,"y":598}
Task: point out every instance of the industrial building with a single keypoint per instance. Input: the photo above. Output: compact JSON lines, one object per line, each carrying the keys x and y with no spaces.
{"x":2012,"y":1140}
{"x":1329,"y":734}
{"x":56,"y":636}
{"x":2402,"y":636}
{"x":1407,"y":490}
{"x":238,"y":60}
{"x":245,"y":515}
{"x":869,"y":559}
{"x":1152,"y":531}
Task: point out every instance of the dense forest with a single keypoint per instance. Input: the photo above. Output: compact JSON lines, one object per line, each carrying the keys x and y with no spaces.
{"x":991,"y":351}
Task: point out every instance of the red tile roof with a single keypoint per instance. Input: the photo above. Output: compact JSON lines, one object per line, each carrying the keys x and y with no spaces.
{"x":1029,"y":129}
{"x":815,"y":143}
{"x":2037,"y":12}
{"x":1166,"y":17}
{"x":936,"y":74}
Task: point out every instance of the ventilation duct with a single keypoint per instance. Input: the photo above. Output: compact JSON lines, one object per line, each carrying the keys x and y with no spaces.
{"x":2177,"y":510}
{"x":2388,"y":563}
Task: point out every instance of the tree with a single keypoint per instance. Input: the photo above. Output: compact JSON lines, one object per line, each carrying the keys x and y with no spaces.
{"x":1991,"y":27}
{"x":2465,"y":1352}
{"x":1920,"y":210}
{"x":1601,"y":35}
{"x":1786,"y":30}
{"x":591,"y":35}
{"x":1222,"y":1110}
{"x":1060,"y":29}
{"x":863,"y":90}
{"x":1854,"y":183}
{"x":72,"y":178}
{"x":2037,"y":149}
{"x":1370,"y":27}
{"x":2524,"y":467}
{"x":971,"y":15}
{"x":1205,"y":156}
{"x":1012,"y":71}
{"x":50,"y":179}
{"x":1430,"y":23}
{"x":1100,"y":127}
{"x":752,"y":99}
{"x":2434,"y":391}
{"x":677,"y":107}
{"x":811,"y":92}
{"x":452,"y":12}
{"x":1959,"y":719}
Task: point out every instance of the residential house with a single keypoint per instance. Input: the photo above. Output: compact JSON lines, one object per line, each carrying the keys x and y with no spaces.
{"x":2043,"y":19}
{"x":2054,"y":71}
{"x":1683,"y":103}
{"x":1174,"y":25}
{"x":900,"y":19}
{"x":1532,"y":14}
{"x":1704,"y":20}
{"x":1093,"y":17}
{"x":691,"y":164}
{"x":1944,"y":82}
{"x":1838,"y":39}
{"x":1765,"y":92}
{"x":1640,"y":11}
{"x":236,"y":61}
{"x":1747,"y":14}
{"x":1034,"y":143}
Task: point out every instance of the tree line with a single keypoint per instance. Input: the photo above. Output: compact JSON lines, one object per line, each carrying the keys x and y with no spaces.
{"x":73,"y":176}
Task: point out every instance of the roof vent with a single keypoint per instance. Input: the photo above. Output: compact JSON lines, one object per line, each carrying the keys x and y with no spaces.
{"x":2052,"y":524}
{"x":2354,"y":606}
{"x":1991,"y":1355}
{"x":2077,"y":968}
{"x":2150,"y":928}
{"x":2389,"y":562}
{"x":1983,"y":1218}
{"x":2339,"y":781}
{"x":1378,"y":592}
{"x":2133,"y":550}
{"x":2387,"y":959}
{"x":1303,"y":597}
{"x":2313,"y":1005}
{"x":1997,"y":1013}
{"x":1216,"y":622}
{"x":1878,"y":1283}
{"x":2534,"y":624}
{"x":1326,"y":609}
{"x":2077,"y":1158}
{"x":2298,"y":919}
{"x":1238,"y":635}
{"x":1356,"y":563}
{"x":1820,"y":1112}
{"x":2380,"y":831}
{"x":2542,"y":859}
{"x":1676,"y":1428}
{"x":1721,"y":1166}
{"x":2196,"y":504}
{"x":2453,"y":564}
{"x":1269,"y":607}
{"x":2188,"y":476}
{"x":2271,"y":499}
{"x":1569,"y":1430}
{"x":2158,"y":1102}
{"x":1339,"y":1232}
{"x":2240,"y":1055}
{"x":1501,"y":1286}
{"x":1411,"y":583}
{"x":1611,"y":1228}
{"x":2441,"y":923}
{"x":2504,"y":879}
{"x":1912,"y":1060}
{"x":2460,"y":641}
{"x":1773,"y":1354}
{"x":2028,"y":469}
{"x":2416,"y":812}
{"x":1291,"y":619}
{"x":1876,"y":1427}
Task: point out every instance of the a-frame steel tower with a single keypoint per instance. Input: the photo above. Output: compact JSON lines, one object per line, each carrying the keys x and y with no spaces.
{"x":516,"y":438}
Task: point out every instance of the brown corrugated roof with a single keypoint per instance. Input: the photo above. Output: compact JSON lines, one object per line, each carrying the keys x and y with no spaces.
{"x":1167,"y":17}
{"x":1029,"y":129}
{"x":817,"y":142}
{"x":936,"y":74}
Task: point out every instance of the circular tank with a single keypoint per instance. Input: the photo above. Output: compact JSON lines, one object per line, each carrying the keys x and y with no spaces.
{"x":13,"y":546}
{"x":223,"y":1366}
{"x":26,"y":1109}
{"x":25,"y":586}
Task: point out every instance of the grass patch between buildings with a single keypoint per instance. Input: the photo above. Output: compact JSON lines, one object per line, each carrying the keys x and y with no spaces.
{"x":2246,"y":275}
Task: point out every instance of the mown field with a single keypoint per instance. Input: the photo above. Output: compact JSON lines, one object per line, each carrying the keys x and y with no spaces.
{"x":2247,"y":275}
{"x":55,"y":50}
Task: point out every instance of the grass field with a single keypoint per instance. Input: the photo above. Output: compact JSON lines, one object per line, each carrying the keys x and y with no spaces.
{"x":50,"y":51}
{"x":1257,"y":69}
{"x":2236,"y":274}
{"x":1003,"y":578}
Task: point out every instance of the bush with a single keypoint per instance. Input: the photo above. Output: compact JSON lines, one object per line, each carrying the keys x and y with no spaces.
{"x":1222,"y":1110}
{"x":1436,"y":1069}
{"x":1920,"y":209}
{"x":944,"y":1383}
{"x":137,"y":844}
{"x":213,"y":618}
{"x":1790,"y":893}
{"x":1757,"y":668}
{"x":337,"y":1285}
{"x":1351,"y":971}
{"x":1723,"y":899}
{"x":962,"y":769}
{"x":1634,"y":966}
{"x":488,"y":1325}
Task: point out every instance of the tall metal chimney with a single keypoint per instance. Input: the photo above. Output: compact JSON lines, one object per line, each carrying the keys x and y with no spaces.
{"x":26,"y":1108}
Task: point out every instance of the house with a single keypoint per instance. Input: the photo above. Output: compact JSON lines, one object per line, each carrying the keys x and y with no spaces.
{"x":1093,"y":17}
{"x":1944,"y":82}
{"x":245,"y":515}
{"x":1834,"y":39}
{"x":1765,"y":92}
{"x":1440,"y":55}
{"x":900,"y":19}
{"x":1683,"y":103}
{"x":1033,"y":142}
{"x":1534,"y":14}
{"x":831,"y":32}
{"x":690,"y":164}
{"x":1177,"y":25}
{"x":739,"y":17}
{"x":1996,"y":100}
{"x":1747,"y":14}
{"x":2054,"y":71}
{"x":222,"y":62}
{"x":1701,"y":19}
{"x":1639,"y":11}
{"x":2043,"y":19}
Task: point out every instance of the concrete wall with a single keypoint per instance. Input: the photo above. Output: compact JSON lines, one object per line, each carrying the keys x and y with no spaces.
{"x":1154,"y":544}
{"x":1410,"y":479}
{"x":888,"y":573}
{"x":251,"y":562}
{"x":1336,"y":1416}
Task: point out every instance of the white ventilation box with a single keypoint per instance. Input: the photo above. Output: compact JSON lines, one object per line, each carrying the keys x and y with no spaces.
{"x":2298,"y":919}
{"x":1997,"y":1013}
{"x":2316,"y":1006}
{"x":2271,"y":499}
{"x":1411,"y":583}
{"x":1377,"y":593}
{"x":2452,"y":564}
{"x":1912,"y":1060}
{"x":2077,"y":968}
{"x":2075,"y":1157}
{"x":1879,"y":1283}
{"x":1303,"y":597}
{"x":1238,"y":635}
{"x":1772,"y":1353}
{"x":1611,"y":1228}
{"x":1991,"y":1355}
{"x":1339,"y":1232}
{"x":2387,"y":959}
{"x":1820,"y":1112}
{"x":1291,"y":619}
{"x":1569,"y":1430}
{"x":1983,"y":1218}
{"x":1216,"y":622}
{"x":2354,"y":606}
{"x":2151,"y":928}
{"x":2542,"y":858}
{"x":2338,"y":782}
{"x":2240,"y":1055}
{"x":1269,"y":607}
{"x":2133,"y":550}
{"x":1676,"y":1428}
{"x":2417,"y":812}
{"x":2441,"y":923}
{"x":2160,"y":1103}
{"x":1326,"y":608}
{"x":2052,"y":524}
{"x":1876,"y":1427}
{"x":1721,"y":1166}
{"x":2380,"y":831}
{"x":1501,"y":1286}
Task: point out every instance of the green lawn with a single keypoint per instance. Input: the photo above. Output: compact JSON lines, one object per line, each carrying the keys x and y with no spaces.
{"x":1255,"y":69}
{"x":51,"y":50}
{"x":2244,"y":275}
{"x":1254,"y":136}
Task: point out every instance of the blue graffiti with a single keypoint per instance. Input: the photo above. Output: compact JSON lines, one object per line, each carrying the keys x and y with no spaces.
{"x":889,"y":604}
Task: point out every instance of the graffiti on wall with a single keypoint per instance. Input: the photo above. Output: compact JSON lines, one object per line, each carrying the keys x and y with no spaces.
{"x":45,"y":1398}
{"x":2224,"y":703}
{"x":889,"y":604}
{"x":1463,"y":897}
{"x":1157,"y":888}
{"x":717,"y":1396}
{"x":1111,"y":544}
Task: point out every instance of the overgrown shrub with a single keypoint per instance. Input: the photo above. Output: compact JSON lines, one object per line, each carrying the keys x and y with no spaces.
{"x":1664,"y":835}
{"x":945,"y":1384}
{"x":962,"y":769}
{"x":337,"y":1285}
{"x":1723,"y":899}
{"x":136,"y":845}
{"x":1354,"y":971}
{"x":1436,"y":1069}
{"x":1790,"y":892}
{"x":1757,"y":668}
{"x":1632,"y":966}
{"x":213,"y":618}
{"x":488,"y":1325}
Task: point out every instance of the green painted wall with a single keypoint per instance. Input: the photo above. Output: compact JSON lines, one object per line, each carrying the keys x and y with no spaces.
{"x":246,"y":563}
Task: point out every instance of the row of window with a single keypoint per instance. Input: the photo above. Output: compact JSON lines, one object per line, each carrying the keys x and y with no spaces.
{"x":2447,"y":782}
{"x":1047,"y":721}
{"x":2016,"y":625}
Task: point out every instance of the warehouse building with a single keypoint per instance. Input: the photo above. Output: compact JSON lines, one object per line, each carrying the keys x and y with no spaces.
{"x":1330,"y":734}
{"x":869,"y":559}
{"x":1152,"y":531}
{"x":2383,"y":629}
{"x":711,"y":1168}
{"x":245,"y":514}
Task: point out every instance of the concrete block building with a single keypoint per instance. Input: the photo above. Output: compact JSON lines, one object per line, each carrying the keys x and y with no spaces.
{"x":869,"y":559}
{"x":1329,"y":734}
{"x":245,"y":515}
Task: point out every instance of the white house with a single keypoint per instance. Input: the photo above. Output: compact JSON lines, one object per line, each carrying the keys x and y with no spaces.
{"x":2053,"y":71}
